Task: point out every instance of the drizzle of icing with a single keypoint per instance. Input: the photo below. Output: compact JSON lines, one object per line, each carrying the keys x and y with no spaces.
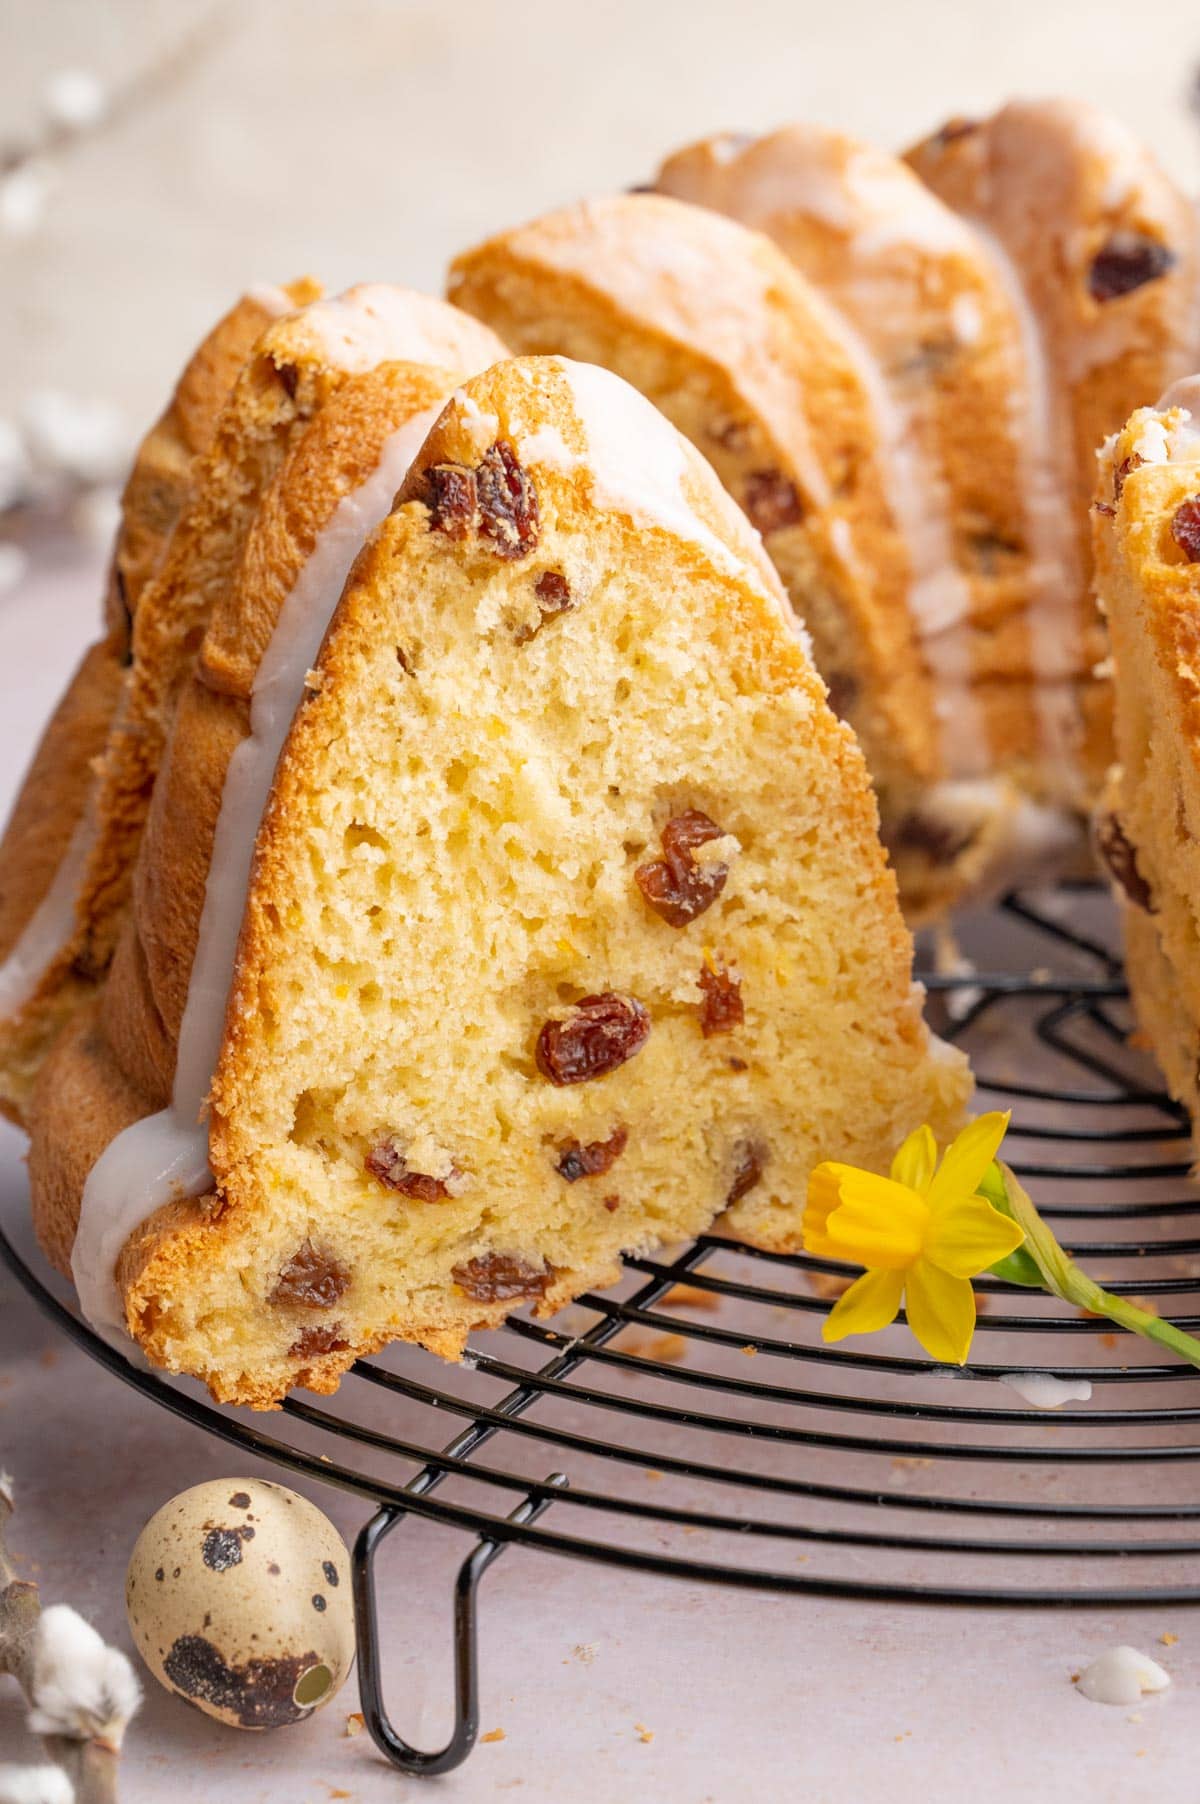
{"x":272,"y":300}
{"x":1120,"y":1675}
{"x":51,"y":925}
{"x":164,"y":1157}
{"x":376,"y":322}
{"x":1042,"y":1390}
{"x":874,"y":213}
{"x":641,"y":467}
{"x":1043,"y":432}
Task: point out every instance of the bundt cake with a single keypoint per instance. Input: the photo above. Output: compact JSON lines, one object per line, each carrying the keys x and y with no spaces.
{"x":263,"y":373}
{"x":1146,"y":520}
{"x":987,"y":312}
{"x":558,"y":926}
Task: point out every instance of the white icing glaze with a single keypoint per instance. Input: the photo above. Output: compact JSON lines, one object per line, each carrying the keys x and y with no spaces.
{"x":1024,"y":839}
{"x":1183,"y":434}
{"x":376,"y":323}
{"x":1120,"y":1675}
{"x":640,"y":467}
{"x":1042,"y":1390}
{"x":1043,"y":432}
{"x":700,"y":281}
{"x":881,"y":214}
{"x":846,"y":186}
{"x":165,"y":1156}
{"x":52,"y":923}
{"x":939,"y":596}
{"x":1185,"y":393}
{"x":272,"y":300}
{"x":966,"y":320}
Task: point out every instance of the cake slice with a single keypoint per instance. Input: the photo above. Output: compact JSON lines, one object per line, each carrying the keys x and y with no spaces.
{"x":715,"y":326}
{"x":843,"y":463}
{"x":1147,"y":537}
{"x":999,"y":616}
{"x":188,"y":509}
{"x":48,"y":955}
{"x":1101,"y":251}
{"x":567,"y":926}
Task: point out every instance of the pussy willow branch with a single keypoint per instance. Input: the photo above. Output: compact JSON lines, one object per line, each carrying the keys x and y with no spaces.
{"x":146,"y":84}
{"x":91,"y":1766}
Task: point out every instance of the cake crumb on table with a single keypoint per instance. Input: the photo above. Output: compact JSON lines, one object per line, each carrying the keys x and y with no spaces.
{"x":493,"y":1735}
{"x":1167,"y":1639}
{"x":643,"y":1733}
{"x":354,"y":1723}
{"x":689,"y":1296}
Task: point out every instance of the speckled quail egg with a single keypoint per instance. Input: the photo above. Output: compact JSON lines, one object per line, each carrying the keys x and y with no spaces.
{"x":239,"y":1599}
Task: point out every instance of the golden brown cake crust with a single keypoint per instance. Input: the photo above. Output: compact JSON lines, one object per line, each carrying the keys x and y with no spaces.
{"x":1108,"y":255}
{"x":1146,"y":523}
{"x":918,"y":287}
{"x":714,"y":326}
{"x":240,"y":1237}
{"x":60,"y":784}
{"x":287,"y":364}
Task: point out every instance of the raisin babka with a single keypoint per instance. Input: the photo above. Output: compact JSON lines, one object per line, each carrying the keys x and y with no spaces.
{"x":1146,"y":521}
{"x":247,"y":394}
{"x":532,"y":913}
{"x":911,"y":419}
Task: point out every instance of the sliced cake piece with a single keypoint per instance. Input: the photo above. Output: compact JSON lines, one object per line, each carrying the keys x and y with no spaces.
{"x":1147,"y":536}
{"x":107,"y":741}
{"x":567,"y":927}
{"x":48,"y":956}
{"x":1102,"y":250}
{"x":745,"y":357}
{"x":795,"y":409}
{"x":998,"y":614}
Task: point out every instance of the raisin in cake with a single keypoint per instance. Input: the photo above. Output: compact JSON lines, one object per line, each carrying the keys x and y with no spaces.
{"x":1147,"y":531}
{"x":561,"y":927}
{"x":249,"y":391}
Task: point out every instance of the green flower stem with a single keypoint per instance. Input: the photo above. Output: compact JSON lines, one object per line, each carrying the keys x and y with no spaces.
{"x":1063,"y":1278}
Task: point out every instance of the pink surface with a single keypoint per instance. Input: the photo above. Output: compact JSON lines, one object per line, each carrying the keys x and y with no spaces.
{"x":745,"y":1696}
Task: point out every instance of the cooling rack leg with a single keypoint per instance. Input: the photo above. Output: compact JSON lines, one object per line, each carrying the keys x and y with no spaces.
{"x":466,"y":1648}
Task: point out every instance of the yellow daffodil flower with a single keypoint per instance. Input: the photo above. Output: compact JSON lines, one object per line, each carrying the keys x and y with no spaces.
{"x":923,"y":1233}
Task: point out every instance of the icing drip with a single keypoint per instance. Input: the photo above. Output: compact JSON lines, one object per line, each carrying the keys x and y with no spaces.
{"x":272,"y":300}
{"x":874,"y":215}
{"x":641,"y":467}
{"x":1182,"y":433}
{"x":375,"y":323}
{"x":1120,"y":1675}
{"x":164,"y":1157}
{"x":701,"y":284}
{"x":1055,"y":574}
{"x":939,"y":595}
{"x":51,"y":925}
{"x":1042,"y":1390}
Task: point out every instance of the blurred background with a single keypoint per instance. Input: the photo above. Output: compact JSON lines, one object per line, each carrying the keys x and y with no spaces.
{"x":158,"y":155}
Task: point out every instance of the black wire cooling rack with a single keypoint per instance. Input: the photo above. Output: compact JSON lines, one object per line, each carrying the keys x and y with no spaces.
{"x":692,"y":1422}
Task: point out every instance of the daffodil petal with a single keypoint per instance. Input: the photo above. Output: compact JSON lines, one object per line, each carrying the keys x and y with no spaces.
{"x":914,"y":1163}
{"x":877,"y":1223}
{"x":871,"y":1302}
{"x":824,"y":1186}
{"x":941,"y":1312}
{"x":967,"y":1235}
{"x":967,"y":1158}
